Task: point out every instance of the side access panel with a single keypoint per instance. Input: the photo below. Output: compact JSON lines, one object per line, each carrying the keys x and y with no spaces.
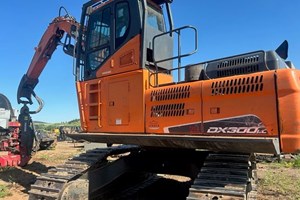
{"x":242,"y":105}
{"x":112,"y":104}
{"x":236,"y":114}
{"x":118,"y":103}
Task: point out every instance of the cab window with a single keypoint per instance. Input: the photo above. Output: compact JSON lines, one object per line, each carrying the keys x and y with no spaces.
{"x":98,"y":39}
{"x":122,"y":23}
{"x":155,"y":19}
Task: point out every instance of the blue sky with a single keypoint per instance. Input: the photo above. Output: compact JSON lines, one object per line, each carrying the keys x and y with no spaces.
{"x":225,"y":28}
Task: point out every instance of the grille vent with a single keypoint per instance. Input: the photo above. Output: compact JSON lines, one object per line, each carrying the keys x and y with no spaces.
{"x":238,"y":66}
{"x":168,"y":110}
{"x":239,"y":61}
{"x":171,"y":93}
{"x":238,"y":71}
{"x":237,"y":86}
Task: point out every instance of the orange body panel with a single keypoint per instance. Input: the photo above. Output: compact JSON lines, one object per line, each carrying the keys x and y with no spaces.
{"x":172,"y":106}
{"x":125,"y":59}
{"x":115,"y":104}
{"x":124,"y":103}
{"x":245,"y":95}
{"x":112,"y":101}
{"x":189,"y":106}
{"x":289,"y":100}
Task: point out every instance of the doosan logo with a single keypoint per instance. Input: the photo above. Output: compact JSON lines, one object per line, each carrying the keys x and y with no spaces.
{"x":241,"y":130}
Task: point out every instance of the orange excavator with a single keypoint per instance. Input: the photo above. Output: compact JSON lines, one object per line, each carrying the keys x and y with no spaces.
{"x":204,"y":121}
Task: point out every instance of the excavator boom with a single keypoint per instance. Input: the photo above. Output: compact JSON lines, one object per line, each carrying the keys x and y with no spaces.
{"x":43,"y":52}
{"x":51,"y":39}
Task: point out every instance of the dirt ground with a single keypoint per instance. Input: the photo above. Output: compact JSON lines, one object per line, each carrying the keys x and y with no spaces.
{"x":18,"y":180}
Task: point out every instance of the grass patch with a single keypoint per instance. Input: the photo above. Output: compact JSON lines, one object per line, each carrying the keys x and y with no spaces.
{"x":282,"y":183}
{"x":291,"y":163}
{"x":281,"y":180}
{"x":44,"y":157}
{"x":55,"y":158}
{"x":4,"y":191}
{"x":295,"y":163}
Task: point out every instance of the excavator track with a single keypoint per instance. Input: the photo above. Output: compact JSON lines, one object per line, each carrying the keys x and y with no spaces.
{"x":225,"y":176}
{"x":62,"y":181}
{"x":126,"y":189}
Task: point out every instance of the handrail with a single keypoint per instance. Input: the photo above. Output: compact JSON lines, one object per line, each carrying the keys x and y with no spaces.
{"x":99,"y":104}
{"x":178,"y":30}
{"x":179,"y":56}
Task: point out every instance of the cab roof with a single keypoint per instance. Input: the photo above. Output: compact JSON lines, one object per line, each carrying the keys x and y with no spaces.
{"x":159,"y":2}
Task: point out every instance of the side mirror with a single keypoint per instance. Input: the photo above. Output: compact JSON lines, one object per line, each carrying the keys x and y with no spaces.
{"x":69,"y":48}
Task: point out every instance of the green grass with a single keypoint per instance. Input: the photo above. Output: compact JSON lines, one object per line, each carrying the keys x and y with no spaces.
{"x":295,"y":163}
{"x":281,"y":183}
{"x":282,"y":179}
{"x":4,"y":192}
{"x":44,"y":157}
{"x":292,"y":163}
{"x":55,"y":158}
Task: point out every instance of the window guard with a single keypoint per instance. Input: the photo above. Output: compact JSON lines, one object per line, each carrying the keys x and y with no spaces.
{"x":178,"y":57}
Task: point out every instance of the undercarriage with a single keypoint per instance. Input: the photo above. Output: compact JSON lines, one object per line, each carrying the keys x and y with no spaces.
{"x":126,"y":172}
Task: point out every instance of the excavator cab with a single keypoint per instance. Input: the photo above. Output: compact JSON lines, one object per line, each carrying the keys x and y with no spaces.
{"x":108,"y":28}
